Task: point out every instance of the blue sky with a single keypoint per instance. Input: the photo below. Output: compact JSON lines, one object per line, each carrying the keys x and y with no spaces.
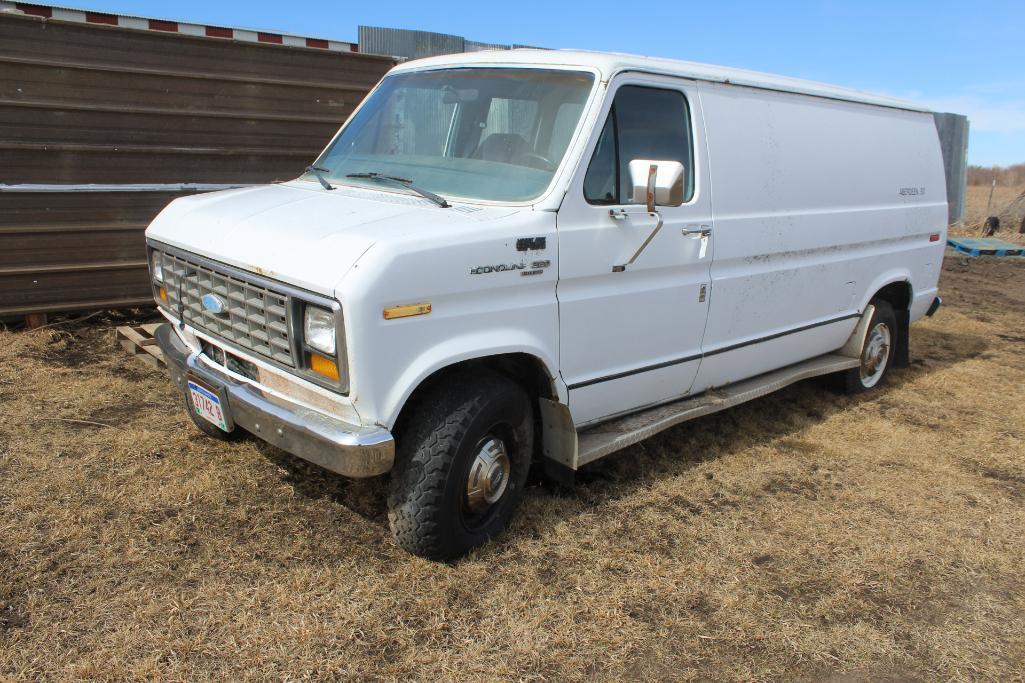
{"x":964,"y":56}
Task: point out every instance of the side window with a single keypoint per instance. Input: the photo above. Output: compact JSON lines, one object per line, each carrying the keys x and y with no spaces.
{"x":601,"y":182}
{"x":646,"y":123}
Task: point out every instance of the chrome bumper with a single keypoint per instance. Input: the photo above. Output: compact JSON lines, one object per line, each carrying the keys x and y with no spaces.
{"x":349,"y":450}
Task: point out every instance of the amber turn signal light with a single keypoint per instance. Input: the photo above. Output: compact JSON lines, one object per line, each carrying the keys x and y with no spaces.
{"x":407,"y":311}
{"x":322,"y":365}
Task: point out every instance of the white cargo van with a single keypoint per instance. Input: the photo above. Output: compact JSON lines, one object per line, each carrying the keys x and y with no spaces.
{"x":507,"y":257}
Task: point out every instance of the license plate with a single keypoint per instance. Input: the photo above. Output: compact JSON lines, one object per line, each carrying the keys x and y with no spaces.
{"x":208,"y":405}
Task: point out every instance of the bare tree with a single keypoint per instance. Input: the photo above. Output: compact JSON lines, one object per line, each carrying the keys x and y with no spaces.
{"x":1006,"y":176}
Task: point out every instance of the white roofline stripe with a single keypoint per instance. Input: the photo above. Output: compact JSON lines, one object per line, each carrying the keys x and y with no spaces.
{"x":611,"y":63}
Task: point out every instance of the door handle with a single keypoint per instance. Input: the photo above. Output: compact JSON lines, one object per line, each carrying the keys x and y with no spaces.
{"x":697,"y":230}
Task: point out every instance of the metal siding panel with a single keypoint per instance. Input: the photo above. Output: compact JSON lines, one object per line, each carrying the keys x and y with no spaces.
{"x":33,"y":164}
{"x":84,"y":103}
{"x":477,"y":46}
{"x":114,"y":129}
{"x":74,"y":290}
{"x":97,"y":84}
{"x":408,"y":44}
{"x":74,"y":251}
{"x":27,"y":38}
{"x":953,"y":133}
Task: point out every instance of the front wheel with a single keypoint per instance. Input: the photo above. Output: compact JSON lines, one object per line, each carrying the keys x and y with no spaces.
{"x":463,"y":460}
{"x":876,"y":353}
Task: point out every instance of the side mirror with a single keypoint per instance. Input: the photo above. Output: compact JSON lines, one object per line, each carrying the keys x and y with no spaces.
{"x":656,"y":183}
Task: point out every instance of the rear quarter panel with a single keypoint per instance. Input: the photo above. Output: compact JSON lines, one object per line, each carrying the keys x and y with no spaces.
{"x":817,"y":203}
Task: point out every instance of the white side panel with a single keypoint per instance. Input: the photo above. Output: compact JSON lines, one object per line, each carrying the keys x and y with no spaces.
{"x":815,"y":201}
{"x":632,"y":338}
{"x":472,"y":316}
{"x":735,"y":365}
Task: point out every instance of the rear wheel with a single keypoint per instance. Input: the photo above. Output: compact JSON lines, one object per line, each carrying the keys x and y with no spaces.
{"x":462,"y":464}
{"x":876,"y":353}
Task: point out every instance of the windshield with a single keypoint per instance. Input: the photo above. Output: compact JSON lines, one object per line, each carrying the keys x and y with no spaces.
{"x":478,"y":133}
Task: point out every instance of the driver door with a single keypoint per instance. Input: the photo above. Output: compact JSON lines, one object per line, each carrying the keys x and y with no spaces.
{"x":631,"y":337}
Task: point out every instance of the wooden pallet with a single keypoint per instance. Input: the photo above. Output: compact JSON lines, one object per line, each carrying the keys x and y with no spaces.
{"x":984,"y":246}
{"x":138,"y":340}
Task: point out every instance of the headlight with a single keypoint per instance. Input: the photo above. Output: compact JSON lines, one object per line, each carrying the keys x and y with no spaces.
{"x":156,"y":267}
{"x":319,"y":329}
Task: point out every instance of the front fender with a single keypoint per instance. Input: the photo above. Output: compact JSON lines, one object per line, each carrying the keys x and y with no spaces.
{"x":470,"y":346}
{"x":472,"y":314}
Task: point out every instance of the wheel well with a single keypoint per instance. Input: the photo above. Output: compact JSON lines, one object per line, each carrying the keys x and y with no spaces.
{"x":526,"y":370}
{"x":898,"y":295}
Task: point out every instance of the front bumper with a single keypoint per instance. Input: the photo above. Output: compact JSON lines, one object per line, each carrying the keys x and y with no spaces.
{"x":349,"y":450}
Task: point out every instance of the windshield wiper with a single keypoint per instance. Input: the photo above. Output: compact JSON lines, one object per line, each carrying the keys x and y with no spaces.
{"x":317,"y":171}
{"x":405,"y":182}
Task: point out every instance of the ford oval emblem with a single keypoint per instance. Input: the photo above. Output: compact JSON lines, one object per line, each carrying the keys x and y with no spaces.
{"x":213,"y":303}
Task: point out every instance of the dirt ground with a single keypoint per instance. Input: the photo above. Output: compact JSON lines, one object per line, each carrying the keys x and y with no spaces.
{"x":805,"y":535}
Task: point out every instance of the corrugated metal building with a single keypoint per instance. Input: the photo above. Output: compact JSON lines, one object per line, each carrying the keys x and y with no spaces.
{"x":408,"y":44}
{"x":147,"y":111}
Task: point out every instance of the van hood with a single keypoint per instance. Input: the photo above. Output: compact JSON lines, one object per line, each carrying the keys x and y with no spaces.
{"x":298,"y":232}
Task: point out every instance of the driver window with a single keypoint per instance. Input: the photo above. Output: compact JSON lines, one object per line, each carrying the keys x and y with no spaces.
{"x":601,"y":182}
{"x":643,"y":123}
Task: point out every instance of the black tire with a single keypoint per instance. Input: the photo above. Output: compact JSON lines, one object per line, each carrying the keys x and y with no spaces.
{"x":209,"y":429}
{"x":429,"y":508}
{"x":854,"y":381}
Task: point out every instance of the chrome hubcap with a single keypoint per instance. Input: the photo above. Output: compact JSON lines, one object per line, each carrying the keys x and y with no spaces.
{"x":489,"y":474}
{"x":875,"y":355}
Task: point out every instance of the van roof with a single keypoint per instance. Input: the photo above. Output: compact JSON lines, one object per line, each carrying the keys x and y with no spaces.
{"x":609,"y":64}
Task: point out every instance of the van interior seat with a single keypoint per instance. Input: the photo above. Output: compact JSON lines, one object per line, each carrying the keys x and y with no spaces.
{"x":503,"y":147}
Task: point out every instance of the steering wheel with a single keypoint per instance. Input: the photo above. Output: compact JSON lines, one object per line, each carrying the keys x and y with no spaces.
{"x":535,"y":160}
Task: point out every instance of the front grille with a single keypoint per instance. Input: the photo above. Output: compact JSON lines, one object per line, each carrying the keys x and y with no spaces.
{"x":255,"y":317}
{"x":230,"y":361}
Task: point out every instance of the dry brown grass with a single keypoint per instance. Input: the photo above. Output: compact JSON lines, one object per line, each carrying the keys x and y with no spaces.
{"x":976,"y":200}
{"x":804,"y":535}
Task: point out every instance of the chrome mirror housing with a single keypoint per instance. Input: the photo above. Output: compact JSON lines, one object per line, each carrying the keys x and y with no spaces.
{"x":656,"y":183}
